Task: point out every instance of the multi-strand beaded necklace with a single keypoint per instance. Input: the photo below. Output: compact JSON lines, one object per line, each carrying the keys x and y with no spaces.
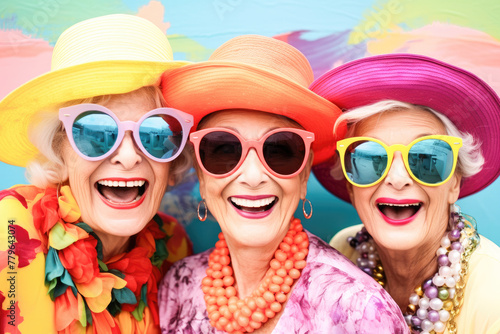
{"x":229,"y":313}
{"x":435,"y":304}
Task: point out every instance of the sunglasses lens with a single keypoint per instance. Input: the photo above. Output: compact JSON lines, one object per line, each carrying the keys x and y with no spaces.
{"x":284,"y":152}
{"x":220,"y":152}
{"x":161,"y":136}
{"x":94,"y":133}
{"x":365,"y":162}
{"x":431,"y":160}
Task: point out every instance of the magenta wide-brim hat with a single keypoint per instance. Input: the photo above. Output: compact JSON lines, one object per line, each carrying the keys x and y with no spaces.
{"x":469,"y":102}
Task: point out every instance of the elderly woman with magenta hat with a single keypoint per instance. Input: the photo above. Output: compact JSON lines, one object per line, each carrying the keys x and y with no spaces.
{"x":85,"y":246}
{"x":420,"y":135}
{"x":259,"y":130}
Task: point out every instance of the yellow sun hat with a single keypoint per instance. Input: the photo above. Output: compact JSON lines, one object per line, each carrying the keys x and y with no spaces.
{"x":112,"y":54}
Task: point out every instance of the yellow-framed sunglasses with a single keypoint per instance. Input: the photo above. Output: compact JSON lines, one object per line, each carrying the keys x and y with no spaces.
{"x":430,"y":160}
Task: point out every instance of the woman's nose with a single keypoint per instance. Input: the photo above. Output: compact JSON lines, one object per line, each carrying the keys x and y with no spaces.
{"x":398,"y":176}
{"x":252,"y":172}
{"x":127,"y":154}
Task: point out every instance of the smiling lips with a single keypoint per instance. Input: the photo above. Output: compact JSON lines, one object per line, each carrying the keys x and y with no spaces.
{"x":120,"y":193}
{"x":398,"y":212}
{"x":253,"y":207}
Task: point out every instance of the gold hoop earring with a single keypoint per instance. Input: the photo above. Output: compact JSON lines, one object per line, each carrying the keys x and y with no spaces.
{"x":206,"y":210}
{"x":306,"y":215}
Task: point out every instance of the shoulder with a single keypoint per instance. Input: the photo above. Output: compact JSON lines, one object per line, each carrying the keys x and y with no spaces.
{"x":329,"y":257}
{"x":23,"y":260}
{"x":180,"y":298}
{"x":187,"y":272}
{"x":339,"y":241}
{"x":482,"y":297}
{"x":15,"y":212}
{"x":332,"y":286}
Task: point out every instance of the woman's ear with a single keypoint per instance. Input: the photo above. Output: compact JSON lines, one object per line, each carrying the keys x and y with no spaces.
{"x":171,"y":180}
{"x":201,"y":180}
{"x":350,"y":192}
{"x":455,"y":182}
{"x":304,"y":175}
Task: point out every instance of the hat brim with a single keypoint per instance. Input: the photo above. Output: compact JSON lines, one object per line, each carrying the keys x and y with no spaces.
{"x":465,"y":99}
{"x":59,"y":86}
{"x":203,"y":88}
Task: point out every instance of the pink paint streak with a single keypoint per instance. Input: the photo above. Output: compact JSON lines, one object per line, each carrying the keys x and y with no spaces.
{"x":21,"y":59}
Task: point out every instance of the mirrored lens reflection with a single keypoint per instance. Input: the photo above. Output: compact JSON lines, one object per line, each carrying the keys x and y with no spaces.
{"x":284,"y":152}
{"x":94,"y":133}
{"x":365,"y":162}
{"x":161,"y":136}
{"x":431,"y":160}
{"x":220,"y":152}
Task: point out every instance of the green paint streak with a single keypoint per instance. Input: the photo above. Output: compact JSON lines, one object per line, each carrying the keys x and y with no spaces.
{"x":47,"y":19}
{"x":382,"y":16}
{"x":185,"y":48}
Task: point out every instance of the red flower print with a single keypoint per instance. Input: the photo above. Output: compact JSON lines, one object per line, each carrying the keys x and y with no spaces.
{"x":26,"y":248}
{"x":13,"y":193}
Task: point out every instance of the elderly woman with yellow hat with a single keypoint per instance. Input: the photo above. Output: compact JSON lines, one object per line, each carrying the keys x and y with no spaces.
{"x":420,"y":135}
{"x":83,"y":248}
{"x":259,"y":130}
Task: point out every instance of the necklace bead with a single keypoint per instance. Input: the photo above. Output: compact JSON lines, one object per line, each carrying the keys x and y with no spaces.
{"x":429,"y":307}
{"x":227,"y":311}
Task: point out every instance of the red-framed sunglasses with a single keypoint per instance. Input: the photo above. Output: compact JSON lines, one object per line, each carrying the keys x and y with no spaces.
{"x":283,"y":152}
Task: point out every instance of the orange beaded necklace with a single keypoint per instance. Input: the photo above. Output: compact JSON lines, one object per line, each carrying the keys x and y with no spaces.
{"x":229,"y":313}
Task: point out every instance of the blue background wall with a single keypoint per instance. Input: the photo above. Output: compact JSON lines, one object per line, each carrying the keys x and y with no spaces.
{"x":329,"y":32}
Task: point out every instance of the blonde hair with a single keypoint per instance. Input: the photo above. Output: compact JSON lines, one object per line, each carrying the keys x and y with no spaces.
{"x":470,"y":160}
{"x":47,"y":134}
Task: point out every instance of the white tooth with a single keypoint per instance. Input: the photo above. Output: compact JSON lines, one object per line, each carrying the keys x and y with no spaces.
{"x":400,"y":205}
{"x":122,"y":183}
{"x":130,"y":184}
{"x":115,"y":183}
{"x":252,"y":203}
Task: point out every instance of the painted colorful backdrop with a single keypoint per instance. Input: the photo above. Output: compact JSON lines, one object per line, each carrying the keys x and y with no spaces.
{"x":329,"y":32}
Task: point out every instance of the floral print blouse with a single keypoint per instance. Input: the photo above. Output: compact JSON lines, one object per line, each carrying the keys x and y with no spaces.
{"x":331,"y":296}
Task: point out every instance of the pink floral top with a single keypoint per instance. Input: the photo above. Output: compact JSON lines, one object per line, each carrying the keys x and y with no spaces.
{"x":331,"y":296}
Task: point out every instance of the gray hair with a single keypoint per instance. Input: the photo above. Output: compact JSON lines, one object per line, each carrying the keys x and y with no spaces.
{"x":470,"y":160}
{"x":47,"y":134}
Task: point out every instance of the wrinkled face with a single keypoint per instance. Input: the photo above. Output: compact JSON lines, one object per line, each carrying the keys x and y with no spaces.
{"x":119,"y":195}
{"x":252,"y":207}
{"x":399,"y":212}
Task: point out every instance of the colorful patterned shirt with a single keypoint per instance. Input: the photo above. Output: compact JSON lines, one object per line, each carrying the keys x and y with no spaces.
{"x":51,"y":277}
{"x":331,"y":296}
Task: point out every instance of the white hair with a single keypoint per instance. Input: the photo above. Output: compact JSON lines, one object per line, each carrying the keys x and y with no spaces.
{"x":470,"y":160}
{"x":47,"y":134}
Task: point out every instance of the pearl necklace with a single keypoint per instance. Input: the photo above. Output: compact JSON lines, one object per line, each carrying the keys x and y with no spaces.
{"x":229,"y":313}
{"x":436,"y":302}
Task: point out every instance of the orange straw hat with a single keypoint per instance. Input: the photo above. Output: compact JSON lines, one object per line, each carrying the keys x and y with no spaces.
{"x":256,"y":73}
{"x":112,"y":54}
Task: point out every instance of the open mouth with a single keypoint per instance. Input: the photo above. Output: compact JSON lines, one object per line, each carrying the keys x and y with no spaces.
{"x":253,"y":206}
{"x":122,"y":192}
{"x":399,"y":211}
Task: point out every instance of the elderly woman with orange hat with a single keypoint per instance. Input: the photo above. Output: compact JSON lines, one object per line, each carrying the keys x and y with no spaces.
{"x":84,"y":247}
{"x":259,"y":130}
{"x":420,"y":135}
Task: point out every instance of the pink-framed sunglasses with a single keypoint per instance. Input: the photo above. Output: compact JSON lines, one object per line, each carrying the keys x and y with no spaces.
{"x":95,"y":132}
{"x":283,"y":152}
